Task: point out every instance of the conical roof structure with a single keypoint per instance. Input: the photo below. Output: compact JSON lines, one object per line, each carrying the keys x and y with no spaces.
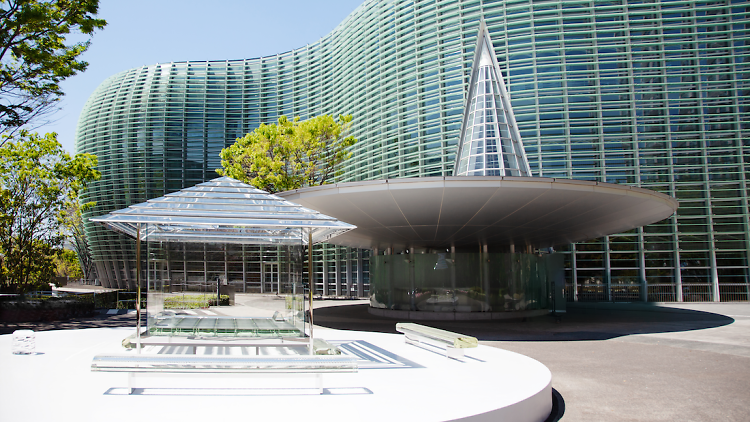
{"x":223,"y":210}
{"x":490,"y":144}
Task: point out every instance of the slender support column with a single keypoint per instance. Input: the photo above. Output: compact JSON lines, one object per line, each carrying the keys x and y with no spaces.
{"x":678,"y":274}
{"x":168,"y":278}
{"x":412,"y":299}
{"x":128,"y":274}
{"x":244,"y":270}
{"x":360,"y":274}
{"x":205,"y":269}
{"x":607,"y":270}
{"x":138,"y":284}
{"x":574,"y":271}
{"x":184,"y":267}
{"x":122,"y":283}
{"x":338,"y":272}
{"x":348,"y":272}
{"x":219,"y":281}
{"x":389,"y":260}
{"x":324,"y":249}
{"x":111,"y":274}
{"x":714,"y":275}
{"x":262,"y":272}
{"x":311,"y":278}
{"x":485,"y":267}
{"x":642,"y":266}
{"x":453,"y":270}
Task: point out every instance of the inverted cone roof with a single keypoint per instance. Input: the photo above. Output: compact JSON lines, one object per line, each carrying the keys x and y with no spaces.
{"x":223,"y":210}
{"x":490,"y":143}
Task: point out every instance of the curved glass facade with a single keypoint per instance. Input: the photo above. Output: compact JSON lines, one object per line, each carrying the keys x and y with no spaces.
{"x":650,"y":93}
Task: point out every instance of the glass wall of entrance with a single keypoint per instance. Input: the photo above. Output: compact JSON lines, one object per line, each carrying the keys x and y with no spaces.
{"x":464,"y":282}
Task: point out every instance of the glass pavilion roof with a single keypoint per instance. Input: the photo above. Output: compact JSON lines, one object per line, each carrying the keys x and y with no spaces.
{"x":223,"y":210}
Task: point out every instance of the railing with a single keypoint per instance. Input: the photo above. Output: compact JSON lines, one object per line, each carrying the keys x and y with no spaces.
{"x":569,"y":293}
{"x":655,"y":292}
{"x":734,"y":292}
{"x":662,"y":293}
{"x":625,"y":292}
{"x":696,"y":293}
{"x":87,"y":282}
{"x":595,"y":293}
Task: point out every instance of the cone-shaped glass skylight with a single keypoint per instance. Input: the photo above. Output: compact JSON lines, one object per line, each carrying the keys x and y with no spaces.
{"x":223,"y":210}
{"x":490,"y":143}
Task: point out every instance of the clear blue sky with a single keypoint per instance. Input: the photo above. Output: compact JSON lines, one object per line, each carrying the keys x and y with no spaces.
{"x":143,"y":32}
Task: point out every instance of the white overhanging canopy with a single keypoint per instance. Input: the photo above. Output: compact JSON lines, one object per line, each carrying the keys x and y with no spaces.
{"x":224,"y":210}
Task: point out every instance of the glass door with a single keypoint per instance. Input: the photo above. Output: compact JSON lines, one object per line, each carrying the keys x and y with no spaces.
{"x":271,"y":277}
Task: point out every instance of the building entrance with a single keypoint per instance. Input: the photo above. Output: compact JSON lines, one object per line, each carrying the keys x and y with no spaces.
{"x":270,"y":277}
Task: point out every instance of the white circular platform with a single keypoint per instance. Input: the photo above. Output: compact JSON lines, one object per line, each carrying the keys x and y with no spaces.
{"x":395,"y":382}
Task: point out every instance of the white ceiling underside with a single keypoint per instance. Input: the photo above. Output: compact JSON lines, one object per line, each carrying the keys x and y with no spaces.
{"x":439,"y":212}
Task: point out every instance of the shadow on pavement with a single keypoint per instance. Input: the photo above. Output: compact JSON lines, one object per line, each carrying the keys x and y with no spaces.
{"x":581,"y":322}
{"x":98,"y":321}
{"x":601,"y":321}
{"x":558,"y":407}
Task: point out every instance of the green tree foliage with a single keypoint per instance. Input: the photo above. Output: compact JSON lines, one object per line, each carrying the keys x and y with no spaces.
{"x":38,"y":180}
{"x":72,"y":220}
{"x":290,"y":154}
{"x":67,"y":265}
{"x":34,"y":56}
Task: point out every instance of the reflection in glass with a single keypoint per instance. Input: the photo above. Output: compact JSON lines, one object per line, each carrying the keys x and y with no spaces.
{"x":213,"y":300}
{"x":463,"y":282}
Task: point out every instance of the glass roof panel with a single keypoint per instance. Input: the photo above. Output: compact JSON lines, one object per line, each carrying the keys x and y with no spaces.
{"x":232,"y":212}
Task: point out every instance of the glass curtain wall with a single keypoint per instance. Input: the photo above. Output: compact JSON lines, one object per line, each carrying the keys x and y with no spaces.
{"x":652,"y":94}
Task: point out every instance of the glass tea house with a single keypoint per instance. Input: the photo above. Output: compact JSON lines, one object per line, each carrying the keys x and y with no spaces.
{"x":207,"y":218}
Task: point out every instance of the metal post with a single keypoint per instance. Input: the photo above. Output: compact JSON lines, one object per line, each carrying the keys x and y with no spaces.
{"x":677,"y":272}
{"x":311,"y":281}
{"x":324,"y":250}
{"x":337,"y":255}
{"x":138,"y":287}
{"x":360,"y":275}
{"x":348,"y":272}
{"x":485,"y":269}
{"x":607,"y":271}
{"x":642,"y":267}
{"x":412,"y":287}
{"x":574,"y":271}
{"x":453,"y":269}
{"x":715,"y":294}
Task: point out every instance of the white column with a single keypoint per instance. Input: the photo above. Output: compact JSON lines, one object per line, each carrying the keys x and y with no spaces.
{"x":348,"y":272}
{"x":642,"y":266}
{"x":338,"y":272}
{"x":607,"y":269}
{"x":360,"y":274}
{"x":324,"y":249}
{"x":574,"y":271}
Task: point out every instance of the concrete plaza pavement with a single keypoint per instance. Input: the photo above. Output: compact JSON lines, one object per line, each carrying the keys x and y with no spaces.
{"x":609,"y":361}
{"x":620,"y":362}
